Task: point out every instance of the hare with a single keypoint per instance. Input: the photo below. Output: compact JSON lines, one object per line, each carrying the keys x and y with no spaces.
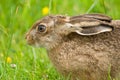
{"x":86,"y":47}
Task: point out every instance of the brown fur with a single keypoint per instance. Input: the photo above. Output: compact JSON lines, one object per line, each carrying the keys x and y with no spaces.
{"x":92,"y":57}
{"x":83,"y":56}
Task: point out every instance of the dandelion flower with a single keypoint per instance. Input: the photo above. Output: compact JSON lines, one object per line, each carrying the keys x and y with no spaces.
{"x":45,"y":10}
{"x":9,"y":60}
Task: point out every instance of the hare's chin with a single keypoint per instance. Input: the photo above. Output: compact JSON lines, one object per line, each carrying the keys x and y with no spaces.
{"x":37,"y":45}
{"x":34,"y":44}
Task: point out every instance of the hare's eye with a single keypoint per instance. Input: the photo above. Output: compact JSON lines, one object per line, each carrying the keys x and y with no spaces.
{"x":41,"y":28}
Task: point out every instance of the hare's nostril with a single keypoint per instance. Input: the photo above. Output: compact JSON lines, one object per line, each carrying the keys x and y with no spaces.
{"x":29,"y":38}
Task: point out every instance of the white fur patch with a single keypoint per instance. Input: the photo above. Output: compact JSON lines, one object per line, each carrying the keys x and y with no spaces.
{"x":51,"y":23}
{"x":81,"y":24}
{"x":67,"y":19}
{"x":37,"y":44}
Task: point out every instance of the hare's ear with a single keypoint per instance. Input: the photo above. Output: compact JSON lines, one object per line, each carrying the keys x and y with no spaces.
{"x":91,"y":24}
{"x":90,"y":28}
{"x":93,"y":30}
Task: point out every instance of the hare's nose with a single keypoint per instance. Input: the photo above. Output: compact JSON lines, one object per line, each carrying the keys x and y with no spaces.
{"x":28,"y":37}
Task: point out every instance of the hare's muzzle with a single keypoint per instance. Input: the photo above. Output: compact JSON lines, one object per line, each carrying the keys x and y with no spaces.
{"x":29,"y":39}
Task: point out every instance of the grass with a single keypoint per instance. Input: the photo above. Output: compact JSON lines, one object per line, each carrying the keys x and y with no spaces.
{"x":17,"y":16}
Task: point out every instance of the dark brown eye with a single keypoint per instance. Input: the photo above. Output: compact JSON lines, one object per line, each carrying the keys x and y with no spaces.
{"x":41,"y":28}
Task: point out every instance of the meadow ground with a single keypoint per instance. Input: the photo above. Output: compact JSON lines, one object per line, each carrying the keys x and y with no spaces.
{"x":18,"y":61}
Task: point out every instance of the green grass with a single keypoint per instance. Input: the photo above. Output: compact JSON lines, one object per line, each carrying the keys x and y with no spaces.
{"x":17,"y":16}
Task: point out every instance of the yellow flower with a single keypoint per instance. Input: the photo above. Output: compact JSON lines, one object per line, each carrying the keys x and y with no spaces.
{"x":45,"y":10}
{"x":9,"y":60}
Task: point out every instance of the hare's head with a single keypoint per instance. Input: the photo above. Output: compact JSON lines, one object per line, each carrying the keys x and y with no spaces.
{"x":47,"y":32}
{"x":50,"y":30}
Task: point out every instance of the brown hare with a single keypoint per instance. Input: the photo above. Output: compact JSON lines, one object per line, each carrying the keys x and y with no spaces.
{"x":86,"y":46}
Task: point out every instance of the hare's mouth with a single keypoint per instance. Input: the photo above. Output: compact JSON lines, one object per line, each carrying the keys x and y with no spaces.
{"x":30,"y":42}
{"x":34,"y":43}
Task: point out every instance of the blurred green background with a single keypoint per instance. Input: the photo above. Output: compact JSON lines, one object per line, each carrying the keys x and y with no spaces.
{"x":18,"y":61}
